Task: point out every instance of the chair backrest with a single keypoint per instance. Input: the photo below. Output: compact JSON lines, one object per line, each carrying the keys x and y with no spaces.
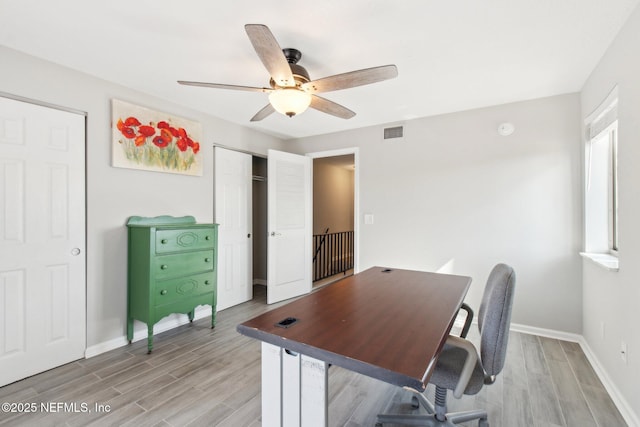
{"x":494,"y":318}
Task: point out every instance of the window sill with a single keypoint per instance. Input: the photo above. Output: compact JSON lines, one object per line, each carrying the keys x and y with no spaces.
{"x":607,"y":261}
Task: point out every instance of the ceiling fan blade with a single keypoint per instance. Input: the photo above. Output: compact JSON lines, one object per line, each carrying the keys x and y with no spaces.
{"x":330,"y":107}
{"x":351,"y":79}
{"x":270,"y":54}
{"x":223,"y":86}
{"x":267,"y":110}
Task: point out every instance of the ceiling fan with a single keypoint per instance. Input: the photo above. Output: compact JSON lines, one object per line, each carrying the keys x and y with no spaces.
{"x":291,"y":89}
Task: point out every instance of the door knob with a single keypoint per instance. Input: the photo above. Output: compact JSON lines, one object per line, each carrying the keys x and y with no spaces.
{"x":75,"y":251}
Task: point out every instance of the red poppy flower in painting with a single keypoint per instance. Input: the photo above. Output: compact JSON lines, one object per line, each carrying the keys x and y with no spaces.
{"x":160,"y":141}
{"x":146,"y":130}
{"x":140,"y":140}
{"x":182,"y":144}
{"x":195,"y":148}
{"x":131,"y":121}
{"x":163,"y":125}
{"x":163,"y":139}
{"x":166,"y":134}
{"x":128,"y":132}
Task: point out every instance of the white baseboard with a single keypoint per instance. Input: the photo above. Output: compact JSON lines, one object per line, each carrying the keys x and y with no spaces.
{"x":169,"y":322}
{"x":549,"y":333}
{"x":621,"y":403}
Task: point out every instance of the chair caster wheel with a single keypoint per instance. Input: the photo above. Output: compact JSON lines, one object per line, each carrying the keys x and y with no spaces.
{"x":415,"y":404}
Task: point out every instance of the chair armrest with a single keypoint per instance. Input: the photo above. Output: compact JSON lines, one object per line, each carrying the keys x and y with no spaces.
{"x":467,"y":320}
{"x":469,"y":363}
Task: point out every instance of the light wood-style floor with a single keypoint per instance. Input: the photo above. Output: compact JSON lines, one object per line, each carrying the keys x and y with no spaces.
{"x":199,"y":376}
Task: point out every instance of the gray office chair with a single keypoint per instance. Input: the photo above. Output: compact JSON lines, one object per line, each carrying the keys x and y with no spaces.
{"x":459,"y":367}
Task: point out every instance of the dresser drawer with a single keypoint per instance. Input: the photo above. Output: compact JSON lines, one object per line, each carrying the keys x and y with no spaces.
{"x":172,"y":290}
{"x":175,"y":265}
{"x":181,"y":240}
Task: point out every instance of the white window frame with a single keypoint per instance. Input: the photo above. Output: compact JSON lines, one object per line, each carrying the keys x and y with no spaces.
{"x":613,"y":189}
{"x":601,"y":184}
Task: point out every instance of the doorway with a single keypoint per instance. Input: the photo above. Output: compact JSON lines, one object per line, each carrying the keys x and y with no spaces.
{"x":264,"y":235}
{"x":259,"y":212}
{"x":342,"y":230}
{"x":334,"y":215}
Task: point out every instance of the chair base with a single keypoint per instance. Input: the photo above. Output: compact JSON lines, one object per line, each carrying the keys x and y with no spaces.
{"x":435,"y":417}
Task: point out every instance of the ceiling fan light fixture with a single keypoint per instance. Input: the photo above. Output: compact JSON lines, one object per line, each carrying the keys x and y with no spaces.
{"x":290,"y":100}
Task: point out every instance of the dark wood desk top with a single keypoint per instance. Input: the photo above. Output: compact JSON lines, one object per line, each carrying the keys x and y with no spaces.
{"x":389,"y":324}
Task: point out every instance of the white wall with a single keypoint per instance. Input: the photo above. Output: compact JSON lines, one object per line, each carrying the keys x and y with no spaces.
{"x":114,"y":194}
{"x":457,"y":196}
{"x":611,"y":298}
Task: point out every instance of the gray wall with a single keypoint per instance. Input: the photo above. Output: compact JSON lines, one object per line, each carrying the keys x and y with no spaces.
{"x":457,"y":197}
{"x":611,"y":298}
{"x":332,"y":197}
{"x":114,"y":194}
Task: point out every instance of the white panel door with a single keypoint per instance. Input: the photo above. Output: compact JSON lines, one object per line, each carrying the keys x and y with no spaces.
{"x":42,"y":239}
{"x":233,"y":204}
{"x":289,"y":225}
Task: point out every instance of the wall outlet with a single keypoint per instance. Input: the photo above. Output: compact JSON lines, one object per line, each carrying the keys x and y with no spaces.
{"x":623,"y":351}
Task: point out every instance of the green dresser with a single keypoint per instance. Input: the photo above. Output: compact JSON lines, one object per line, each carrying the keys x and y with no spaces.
{"x":172,"y":268}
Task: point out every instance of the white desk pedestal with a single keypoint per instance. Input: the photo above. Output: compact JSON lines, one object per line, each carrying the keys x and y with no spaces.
{"x":294,"y":389}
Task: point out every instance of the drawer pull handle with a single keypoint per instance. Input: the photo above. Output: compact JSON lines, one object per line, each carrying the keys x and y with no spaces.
{"x":164,"y":241}
{"x":207,"y":260}
{"x":206,"y":282}
{"x":164,"y":266}
{"x":163,"y":292}
{"x":207,"y":238}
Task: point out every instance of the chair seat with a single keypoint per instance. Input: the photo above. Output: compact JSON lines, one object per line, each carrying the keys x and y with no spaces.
{"x":449,"y":366}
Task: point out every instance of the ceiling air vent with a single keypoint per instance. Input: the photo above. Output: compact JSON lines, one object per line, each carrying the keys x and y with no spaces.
{"x":395,"y":133}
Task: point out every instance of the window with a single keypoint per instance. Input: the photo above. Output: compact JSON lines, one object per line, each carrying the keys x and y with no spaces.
{"x":613,"y":188}
{"x":601,"y":186}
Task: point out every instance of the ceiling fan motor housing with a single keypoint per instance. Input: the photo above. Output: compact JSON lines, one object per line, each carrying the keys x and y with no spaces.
{"x":300,"y":74}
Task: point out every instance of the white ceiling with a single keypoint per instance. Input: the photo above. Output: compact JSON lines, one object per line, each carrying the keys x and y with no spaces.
{"x":451,"y":55}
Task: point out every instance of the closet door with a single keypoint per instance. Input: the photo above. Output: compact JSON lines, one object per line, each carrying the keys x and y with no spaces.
{"x":233,"y":213}
{"x":42,"y":239}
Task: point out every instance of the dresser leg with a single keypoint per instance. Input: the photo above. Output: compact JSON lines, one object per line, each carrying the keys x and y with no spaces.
{"x":213,"y":318}
{"x":149,"y":339}
{"x":190,"y":314}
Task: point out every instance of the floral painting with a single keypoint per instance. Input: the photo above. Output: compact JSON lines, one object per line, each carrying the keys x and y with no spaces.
{"x":154,"y":141}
